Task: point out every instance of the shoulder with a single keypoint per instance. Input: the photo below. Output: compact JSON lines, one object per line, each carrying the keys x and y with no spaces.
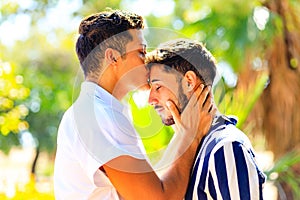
{"x":231,"y":134}
{"x":226,"y":136}
{"x":232,"y":146}
{"x":66,"y":125}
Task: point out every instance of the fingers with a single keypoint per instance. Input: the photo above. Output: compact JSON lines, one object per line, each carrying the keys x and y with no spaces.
{"x":195,"y":96}
{"x":204,"y":96}
{"x":200,"y":94}
{"x":201,"y":99}
{"x":213,"y":110}
{"x":208,"y":104}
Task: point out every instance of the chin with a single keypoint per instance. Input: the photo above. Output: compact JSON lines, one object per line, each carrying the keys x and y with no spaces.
{"x":168,"y":122}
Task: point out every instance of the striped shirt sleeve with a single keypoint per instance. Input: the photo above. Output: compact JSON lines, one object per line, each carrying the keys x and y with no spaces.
{"x":233,"y":173}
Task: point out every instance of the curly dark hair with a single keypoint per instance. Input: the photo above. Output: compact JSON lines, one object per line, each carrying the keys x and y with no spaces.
{"x":184,"y":55}
{"x":103,"y":30}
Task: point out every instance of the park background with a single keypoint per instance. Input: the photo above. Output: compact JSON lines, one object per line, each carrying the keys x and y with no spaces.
{"x":257,"y":46}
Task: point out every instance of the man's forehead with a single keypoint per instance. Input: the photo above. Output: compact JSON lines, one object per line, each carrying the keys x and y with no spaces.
{"x":155,"y":69}
{"x":157,"y":74}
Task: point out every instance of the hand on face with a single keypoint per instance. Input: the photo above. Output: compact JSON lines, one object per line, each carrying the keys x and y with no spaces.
{"x":196,"y":119}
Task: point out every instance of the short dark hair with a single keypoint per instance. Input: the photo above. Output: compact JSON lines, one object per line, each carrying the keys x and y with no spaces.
{"x":184,"y":55}
{"x":103,"y":30}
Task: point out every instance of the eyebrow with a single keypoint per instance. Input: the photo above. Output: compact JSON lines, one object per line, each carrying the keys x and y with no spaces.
{"x":154,"y":80}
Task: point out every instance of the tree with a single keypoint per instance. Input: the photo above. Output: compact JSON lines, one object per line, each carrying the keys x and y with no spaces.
{"x":51,"y":75}
{"x":281,"y":99}
{"x":47,"y":61}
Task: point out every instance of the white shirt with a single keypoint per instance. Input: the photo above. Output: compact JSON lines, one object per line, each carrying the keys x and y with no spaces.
{"x":93,"y":131}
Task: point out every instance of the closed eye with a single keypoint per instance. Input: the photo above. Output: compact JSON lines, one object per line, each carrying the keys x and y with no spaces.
{"x":157,"y":88}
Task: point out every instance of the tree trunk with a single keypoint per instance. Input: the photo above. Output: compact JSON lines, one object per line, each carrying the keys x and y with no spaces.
{"x":281,"y":99}
{"x":34,"y":162}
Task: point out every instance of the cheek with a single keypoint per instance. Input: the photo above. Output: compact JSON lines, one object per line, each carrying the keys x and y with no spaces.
{"x":171,"y":96}
{"x":164,"y":97}
{"x":171,"y":90}
{"x":138,"y":75}
{"x":132,"y":61}
{"x":145,"y":87}
{"x":142,"y":76}
{"x":136,"y":60}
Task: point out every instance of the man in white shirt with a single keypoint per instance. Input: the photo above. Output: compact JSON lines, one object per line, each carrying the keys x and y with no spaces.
{"x":99,"y":154}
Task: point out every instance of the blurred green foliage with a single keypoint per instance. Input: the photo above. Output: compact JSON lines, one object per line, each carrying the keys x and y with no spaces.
{"x":281,"y":172}
{"x":50,"y":73}
{"x":237,"y":101}
{"x":49,"y":64}
{"x":50,"y":68}
{"x":13,"y":111}
{"x":155,"y":135}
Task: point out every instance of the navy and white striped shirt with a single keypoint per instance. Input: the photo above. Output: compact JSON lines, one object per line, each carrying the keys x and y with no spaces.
{"x":225,"y":167}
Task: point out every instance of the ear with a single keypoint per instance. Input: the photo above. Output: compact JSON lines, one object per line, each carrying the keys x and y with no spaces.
{"x":111,"y":55}
{"x":191,"y":80}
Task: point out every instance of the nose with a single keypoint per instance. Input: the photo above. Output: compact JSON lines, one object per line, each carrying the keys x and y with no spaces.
{"x":152,"y":98}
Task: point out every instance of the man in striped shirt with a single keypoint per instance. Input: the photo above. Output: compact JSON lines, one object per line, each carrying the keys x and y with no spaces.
{"x":225,"y":166}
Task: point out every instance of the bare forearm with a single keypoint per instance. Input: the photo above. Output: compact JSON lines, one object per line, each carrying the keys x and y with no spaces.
{"x":175,"y":180}
{"x":145,"y":184}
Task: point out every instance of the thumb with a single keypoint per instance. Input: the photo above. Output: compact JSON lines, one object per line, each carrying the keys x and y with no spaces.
{"x":174,"y":112}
